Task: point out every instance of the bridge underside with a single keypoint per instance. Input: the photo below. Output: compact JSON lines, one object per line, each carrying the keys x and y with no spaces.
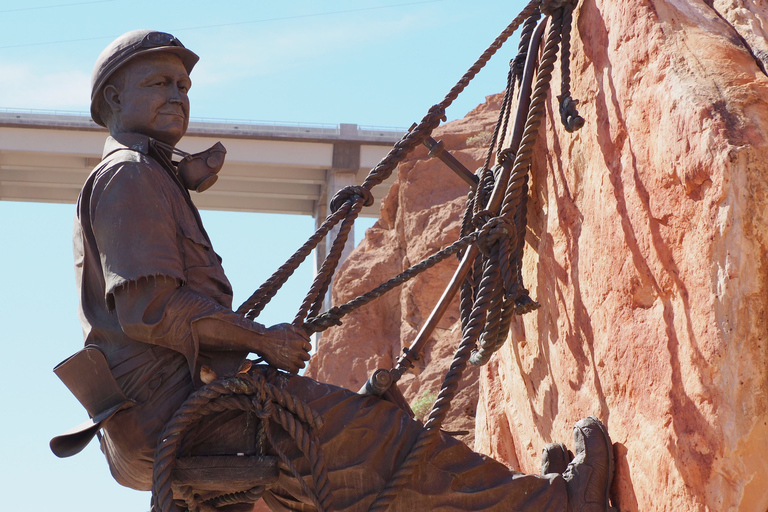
{"x":291,"y":169}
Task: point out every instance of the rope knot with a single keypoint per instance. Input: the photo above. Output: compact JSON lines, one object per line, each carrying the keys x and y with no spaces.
{"x":493,"y":231}
{"x":569,"y":115}
{"x":262,"y":408}
{"x":548,"y":7}
{"x":517,"y":65}
{"x":351,"y":192}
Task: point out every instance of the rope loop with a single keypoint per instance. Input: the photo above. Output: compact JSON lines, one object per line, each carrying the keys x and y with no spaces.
{"x":569,"y":115}
{"x":351,"y":192}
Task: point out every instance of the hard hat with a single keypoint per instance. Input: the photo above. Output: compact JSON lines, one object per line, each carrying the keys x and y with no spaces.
{"x":129,"y":46}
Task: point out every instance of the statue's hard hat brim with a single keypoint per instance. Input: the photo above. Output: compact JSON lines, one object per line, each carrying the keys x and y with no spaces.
{"x":128,"y":47}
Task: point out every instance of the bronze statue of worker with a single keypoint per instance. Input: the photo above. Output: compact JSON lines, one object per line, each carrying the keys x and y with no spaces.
{"x":156,"y":309}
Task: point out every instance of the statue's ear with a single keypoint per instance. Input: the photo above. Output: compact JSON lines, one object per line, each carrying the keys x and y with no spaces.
{"x":111,"y":95}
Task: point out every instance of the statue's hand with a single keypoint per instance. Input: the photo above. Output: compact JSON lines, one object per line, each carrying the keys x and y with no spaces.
{"x":287,"y":347}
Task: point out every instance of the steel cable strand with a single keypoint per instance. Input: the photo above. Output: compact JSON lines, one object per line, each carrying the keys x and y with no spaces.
{"x":482,"y":355}
{"x":334,"y":315}
{"x":309,"y":446}
{"x":316,"y":294}
{"x":487,"y":339}
{"x":442,"y":404}
{"x":502,"y":130}
{"x":474,"y":277}
{"x":261,"y":297}
{"x":432,"y":119}
{"x":325,"y":274}
{"x":507,"y":312}
{"x":483,"y":191}
{"x":295,"y":472}
{"x":466,"y":298}
{"x":569,"y":115}
{"x":514,"y":201}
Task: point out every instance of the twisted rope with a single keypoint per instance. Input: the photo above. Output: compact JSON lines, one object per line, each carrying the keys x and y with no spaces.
{"x":261,"y":297}
{"x":333,"y":315}
{"x":246,"y":393}
{"x":309,"y":445}
{"x":250,"y":496}
{"x":569,"y":115}
{"x":313,"y":301}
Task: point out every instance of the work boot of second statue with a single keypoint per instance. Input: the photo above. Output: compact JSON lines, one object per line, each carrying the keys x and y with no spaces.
{"x":589,"y":475}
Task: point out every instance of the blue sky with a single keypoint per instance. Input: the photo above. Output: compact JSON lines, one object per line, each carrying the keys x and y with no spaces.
{"x":369,"y":62}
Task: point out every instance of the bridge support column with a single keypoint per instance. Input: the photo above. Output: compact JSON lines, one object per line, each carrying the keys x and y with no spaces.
{"x":343,"y":173}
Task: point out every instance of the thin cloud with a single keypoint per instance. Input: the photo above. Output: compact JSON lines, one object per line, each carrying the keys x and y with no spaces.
{"x":25,"y":86}
{"x":269,"y":52}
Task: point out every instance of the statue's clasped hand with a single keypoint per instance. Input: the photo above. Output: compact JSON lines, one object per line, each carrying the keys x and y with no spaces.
{"x":288,"y":347}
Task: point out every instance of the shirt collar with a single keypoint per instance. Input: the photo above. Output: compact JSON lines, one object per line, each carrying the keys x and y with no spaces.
{"x":132,"y":141}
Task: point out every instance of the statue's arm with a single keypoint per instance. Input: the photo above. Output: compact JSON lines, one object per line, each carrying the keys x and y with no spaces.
{"x":161,"y":312}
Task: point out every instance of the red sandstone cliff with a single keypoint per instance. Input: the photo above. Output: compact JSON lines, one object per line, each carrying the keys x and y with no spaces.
{"x":646,"y":247}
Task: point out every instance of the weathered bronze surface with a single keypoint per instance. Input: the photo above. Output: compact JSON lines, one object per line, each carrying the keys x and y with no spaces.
{"x":157,"y":306}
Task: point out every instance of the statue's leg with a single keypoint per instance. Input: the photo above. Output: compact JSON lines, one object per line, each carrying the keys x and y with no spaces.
{"x":364,"y":441}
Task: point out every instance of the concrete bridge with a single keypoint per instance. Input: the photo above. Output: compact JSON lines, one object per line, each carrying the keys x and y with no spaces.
{"x":270,"y":168}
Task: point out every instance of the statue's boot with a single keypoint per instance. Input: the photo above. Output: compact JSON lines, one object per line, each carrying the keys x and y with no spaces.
{"x":555,"y":458}
{"x":589,"y":475}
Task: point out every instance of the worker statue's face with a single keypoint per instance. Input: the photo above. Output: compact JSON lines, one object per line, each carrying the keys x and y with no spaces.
{"x":149,"y":96}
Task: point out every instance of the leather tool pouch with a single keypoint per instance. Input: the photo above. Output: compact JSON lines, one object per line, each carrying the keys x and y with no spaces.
{"x":88,"y":377}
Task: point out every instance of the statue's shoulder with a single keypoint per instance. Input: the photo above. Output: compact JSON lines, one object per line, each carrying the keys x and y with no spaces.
{"x":127,"y":165}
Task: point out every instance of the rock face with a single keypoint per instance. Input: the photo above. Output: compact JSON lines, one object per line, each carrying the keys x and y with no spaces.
{"x":647,"y":244}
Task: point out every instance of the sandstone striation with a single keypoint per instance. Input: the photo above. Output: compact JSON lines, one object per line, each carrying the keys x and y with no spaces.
{"x":647,"y":243}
